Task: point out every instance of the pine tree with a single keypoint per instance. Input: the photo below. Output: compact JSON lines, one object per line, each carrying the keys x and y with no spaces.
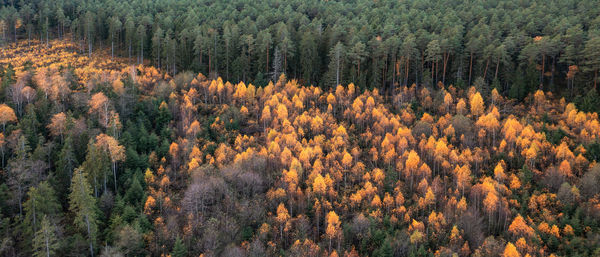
{"x":179,"y":249}
{"x":42,"y":202}
{"x":83,"y":206}
{"x":64,"y":167}
{"x":157,"y":40}
{"x":45,"y":242}
{"x":336,"y":64}
{"x":592,"y":57}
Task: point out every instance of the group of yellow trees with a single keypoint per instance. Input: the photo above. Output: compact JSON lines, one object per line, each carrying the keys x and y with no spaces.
{"x":344,"y":155}
{"x":346,"y":171}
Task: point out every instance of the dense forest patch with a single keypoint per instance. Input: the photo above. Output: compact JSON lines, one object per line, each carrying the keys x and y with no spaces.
{"x":101,"y":157}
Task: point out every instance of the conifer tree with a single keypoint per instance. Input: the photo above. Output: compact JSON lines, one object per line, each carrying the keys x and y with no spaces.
{"x":83,"y":206}
{"x":45,"y":242}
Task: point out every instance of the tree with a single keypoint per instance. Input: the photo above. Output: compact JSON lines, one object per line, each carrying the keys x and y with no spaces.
{"x":333,"y":227}
{"x":7,"y":114}
{"x":519,"y":227}
{"x":282,"y":217}
{"x":408,"y":50}
{"x":66,"y":163}
{"x":263,"y":44}
{"x":477,"y":106}
{"x":141,"y":35}
{"x":83,"y":206}
{"x":45,"y":242}
{"x":319,"y":186}
{"x":463,"y":177}
{"x":23,"y":171}
{"x":411,"y":165}
{"x":99,"y":104}
{"x":58,"y":125}
{"x":336,"y":62}
{"x":129,"y":34}
{"x":179,"y":249}
{"x":157,"y":42}
{"x":432,"y":54}
{"x":502,"y":57}
{"x":89,"y":22}
{"x":114,"y":26}
{"x":308,"y":56}
{"x":42,"y":202}
{"x":230,"y":37}
{"x":115,"y":151}
{"x":510,"y":251}
{"x":130,"y":240}
{"x":357,"y":55}
{"x":592,"y":57}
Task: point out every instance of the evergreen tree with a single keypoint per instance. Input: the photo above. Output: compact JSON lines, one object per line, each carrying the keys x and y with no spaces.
{"x":83,"y":206}
{"x":65,"y":165}
{"x":45,"y":242}
{"x":179,"y":249}
{"x":336,"y":64}
{"x":42,"y":202}
{"x":592,"y":57}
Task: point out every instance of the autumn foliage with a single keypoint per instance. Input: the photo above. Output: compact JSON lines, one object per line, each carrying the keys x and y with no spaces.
{"x":189,"y":163}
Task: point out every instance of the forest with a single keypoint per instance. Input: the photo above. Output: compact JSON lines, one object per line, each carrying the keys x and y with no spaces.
{"x":516,"y":46}
{"x":299,"y":128}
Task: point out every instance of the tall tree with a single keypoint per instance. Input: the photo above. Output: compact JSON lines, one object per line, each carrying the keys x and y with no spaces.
{"x":114,"y":27}
{"x":592,"y":56}
{"x":263,"y":44}
{"x":336,"y":64}
{"x":90,"y":26}
{"x":42,"y":202}
{"x":45,"y":242}
{"x":83,"y":206}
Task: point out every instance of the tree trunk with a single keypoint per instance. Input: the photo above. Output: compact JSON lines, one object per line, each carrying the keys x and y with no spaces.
{"x":497,"y":66}
{"x":595,"y":79}
{"x":34,"y":217}
{"x":47,"y":243}
{"x":470,"y":68}
{"x":552,"y":70}
{"x":487,"y":63}
{"x":114,"y":168}
{"x":447,"y":56}
{"x":422,"y":62}
{"x":436,"y":72}
{"x":47,"y":28}
{"x":142,"y":50}
{"x":407,"y":69}
{"x":432,"y":67}
{"x":337,"y":68}
{"x":542,"y":72}
{"x":227,"y":61}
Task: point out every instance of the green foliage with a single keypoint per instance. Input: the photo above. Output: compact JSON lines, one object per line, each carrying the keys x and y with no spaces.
{"x":65,"y":165}
{"x":45,"y":242}
{"x":41,"y":203}
{"x":385,"y":250}
{"x":555,"y":136}
{"x":135,"y":193}
{"x":588,"y":102}
{"x":253,"y":44}
{"x":224,"y":207}
{"x":179,"y":249}
{"x":83,"y":206}
{"x":593,"y":151}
